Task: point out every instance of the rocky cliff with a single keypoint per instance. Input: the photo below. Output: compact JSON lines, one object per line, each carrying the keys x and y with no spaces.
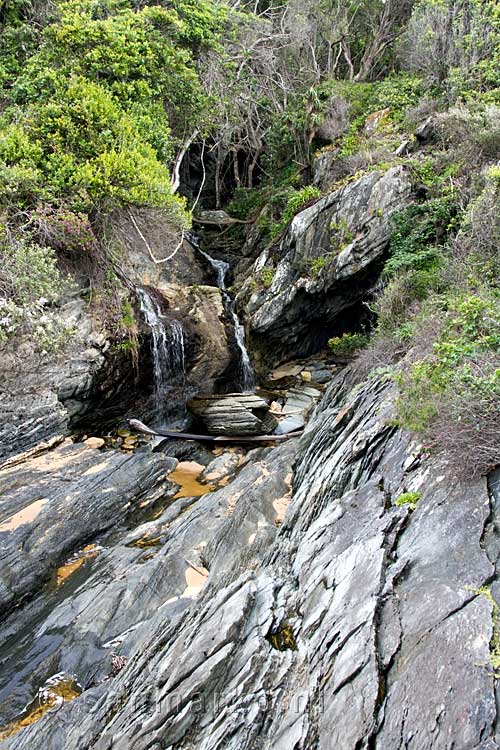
{"x":332,"y":595}
{"x":326,"y":264}
{"x":45,"y":392}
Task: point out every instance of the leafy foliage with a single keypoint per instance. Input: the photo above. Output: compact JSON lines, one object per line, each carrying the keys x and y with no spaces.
{"x":30,"y":282}
{"x":98,"y":108}
{"x":408,"y":498}
{"x":348,"y":344}
{"x":451,"y":395}
{"x":419,"y":235}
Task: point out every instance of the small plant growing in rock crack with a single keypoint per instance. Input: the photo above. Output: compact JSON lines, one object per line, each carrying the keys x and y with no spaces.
{"x":495,"y":638}
{"x":315,"y":265}
{"x":340,"y":235}
{"x":283,"y":638}
{"x":408,"y":498}
{"x":267,"y":276}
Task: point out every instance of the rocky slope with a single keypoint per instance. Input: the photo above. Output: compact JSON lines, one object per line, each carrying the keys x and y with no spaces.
{"x":323,"y":615}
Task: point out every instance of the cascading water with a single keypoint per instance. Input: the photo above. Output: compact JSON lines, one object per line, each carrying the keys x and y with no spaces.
{"x":247,"y":379}
{"x":247,"y":375}
{"x":167,"y":347}
{"x":220,"y":266}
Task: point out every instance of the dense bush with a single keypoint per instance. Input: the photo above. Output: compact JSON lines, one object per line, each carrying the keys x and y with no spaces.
{"x":451,"y":395}
{"x":99,"y":106}
{"x":455,"y":45}
{"x":79,"y":145}
{"x":30,"y":282}
{"x":419,"y":234}
{"x":473,"y":131}
{"x":348,"y":344}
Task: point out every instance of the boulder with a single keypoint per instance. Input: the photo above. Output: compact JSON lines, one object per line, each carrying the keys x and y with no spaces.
{"x":426,"y":131}
{"x":216,"y":218}
{"x":40,"y":393}
{"x":233,"y":414}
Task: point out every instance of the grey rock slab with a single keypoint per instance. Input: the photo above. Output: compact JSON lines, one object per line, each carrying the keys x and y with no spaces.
{"x":343,"y":622}
{"x":349,"y":230}
{"x":55,"y":502}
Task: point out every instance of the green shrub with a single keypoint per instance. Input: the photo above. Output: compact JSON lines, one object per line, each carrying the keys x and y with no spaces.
{"x":247,"y":202}
{"x":28,"y":272}
{"x":472,"y":131}
{"x":104,"y":94}
{"x":451,"y":395}
{"x":314,"y":266}
{"x":267,"y":276}
{"x":399,"y":93}
{"x":80,"y":146}
{"x":30,"y":282}
{"x":348,"y":344}
{"x":408,"y":498}
{"x":297,"y":201}
{"x":419,"y":234}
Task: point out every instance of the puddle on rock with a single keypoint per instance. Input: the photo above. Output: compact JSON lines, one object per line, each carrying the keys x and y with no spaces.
{"x":75,"y":563}
{"x":26,"y":515}
{"x":56,"y":691}
{"x":146,"y":542}
{"x":186,"y":475}
{"x":283,"y":638}
{"x":196,"y":579}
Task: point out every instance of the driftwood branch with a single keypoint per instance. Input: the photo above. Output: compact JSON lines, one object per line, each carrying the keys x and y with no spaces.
{"x":139,"y":426}
{"x":226,"y":222}
{"x":157,"y":261}
{"x":176,"y":172}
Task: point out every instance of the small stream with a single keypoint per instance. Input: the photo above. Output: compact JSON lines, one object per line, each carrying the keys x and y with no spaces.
{"x":247,"y":377}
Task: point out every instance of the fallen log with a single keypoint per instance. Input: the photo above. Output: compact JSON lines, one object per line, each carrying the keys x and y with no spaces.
{"x":139,"y":426}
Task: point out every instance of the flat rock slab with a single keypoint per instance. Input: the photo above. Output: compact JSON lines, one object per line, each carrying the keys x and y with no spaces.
{"x":54,"y":502}
{"x":318,"y":612}
{"x":234,"y":414}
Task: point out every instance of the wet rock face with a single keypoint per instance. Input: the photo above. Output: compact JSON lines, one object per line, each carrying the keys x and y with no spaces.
{"x":93,"y":382}
{"x":41,"y":393}
{"x":321,"y":610}
{"x":55,"y":501}
{"x":326,"y":263}
{"x":209,"y":351}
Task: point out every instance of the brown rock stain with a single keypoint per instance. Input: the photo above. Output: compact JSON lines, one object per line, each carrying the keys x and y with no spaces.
{"x":55,"y":692}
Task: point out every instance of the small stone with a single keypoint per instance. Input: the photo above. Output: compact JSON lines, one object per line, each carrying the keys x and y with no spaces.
{"x":123,"y":433}
{"x":94,"y":442}
{"x":306,"y":376}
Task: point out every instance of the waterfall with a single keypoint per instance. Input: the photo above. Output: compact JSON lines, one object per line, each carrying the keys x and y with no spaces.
{"x":247,"y":375}
{"x":167,"y":346}
{"x":220,"y":266}
{"x":247,"y":378}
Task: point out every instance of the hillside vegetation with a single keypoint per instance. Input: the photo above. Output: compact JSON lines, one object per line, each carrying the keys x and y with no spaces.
{"x":101,"y":101}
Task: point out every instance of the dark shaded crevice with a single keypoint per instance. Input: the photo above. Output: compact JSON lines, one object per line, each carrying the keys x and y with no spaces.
{"x":490,"y":538}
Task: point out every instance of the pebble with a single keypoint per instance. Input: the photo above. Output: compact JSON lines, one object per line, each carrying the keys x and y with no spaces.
{"x":94,"y":442}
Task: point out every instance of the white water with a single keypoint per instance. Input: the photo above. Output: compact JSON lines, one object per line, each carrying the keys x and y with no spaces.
{"x":220,"y":266}
{"x":247,"y":378}
{"x":167,"y":346}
